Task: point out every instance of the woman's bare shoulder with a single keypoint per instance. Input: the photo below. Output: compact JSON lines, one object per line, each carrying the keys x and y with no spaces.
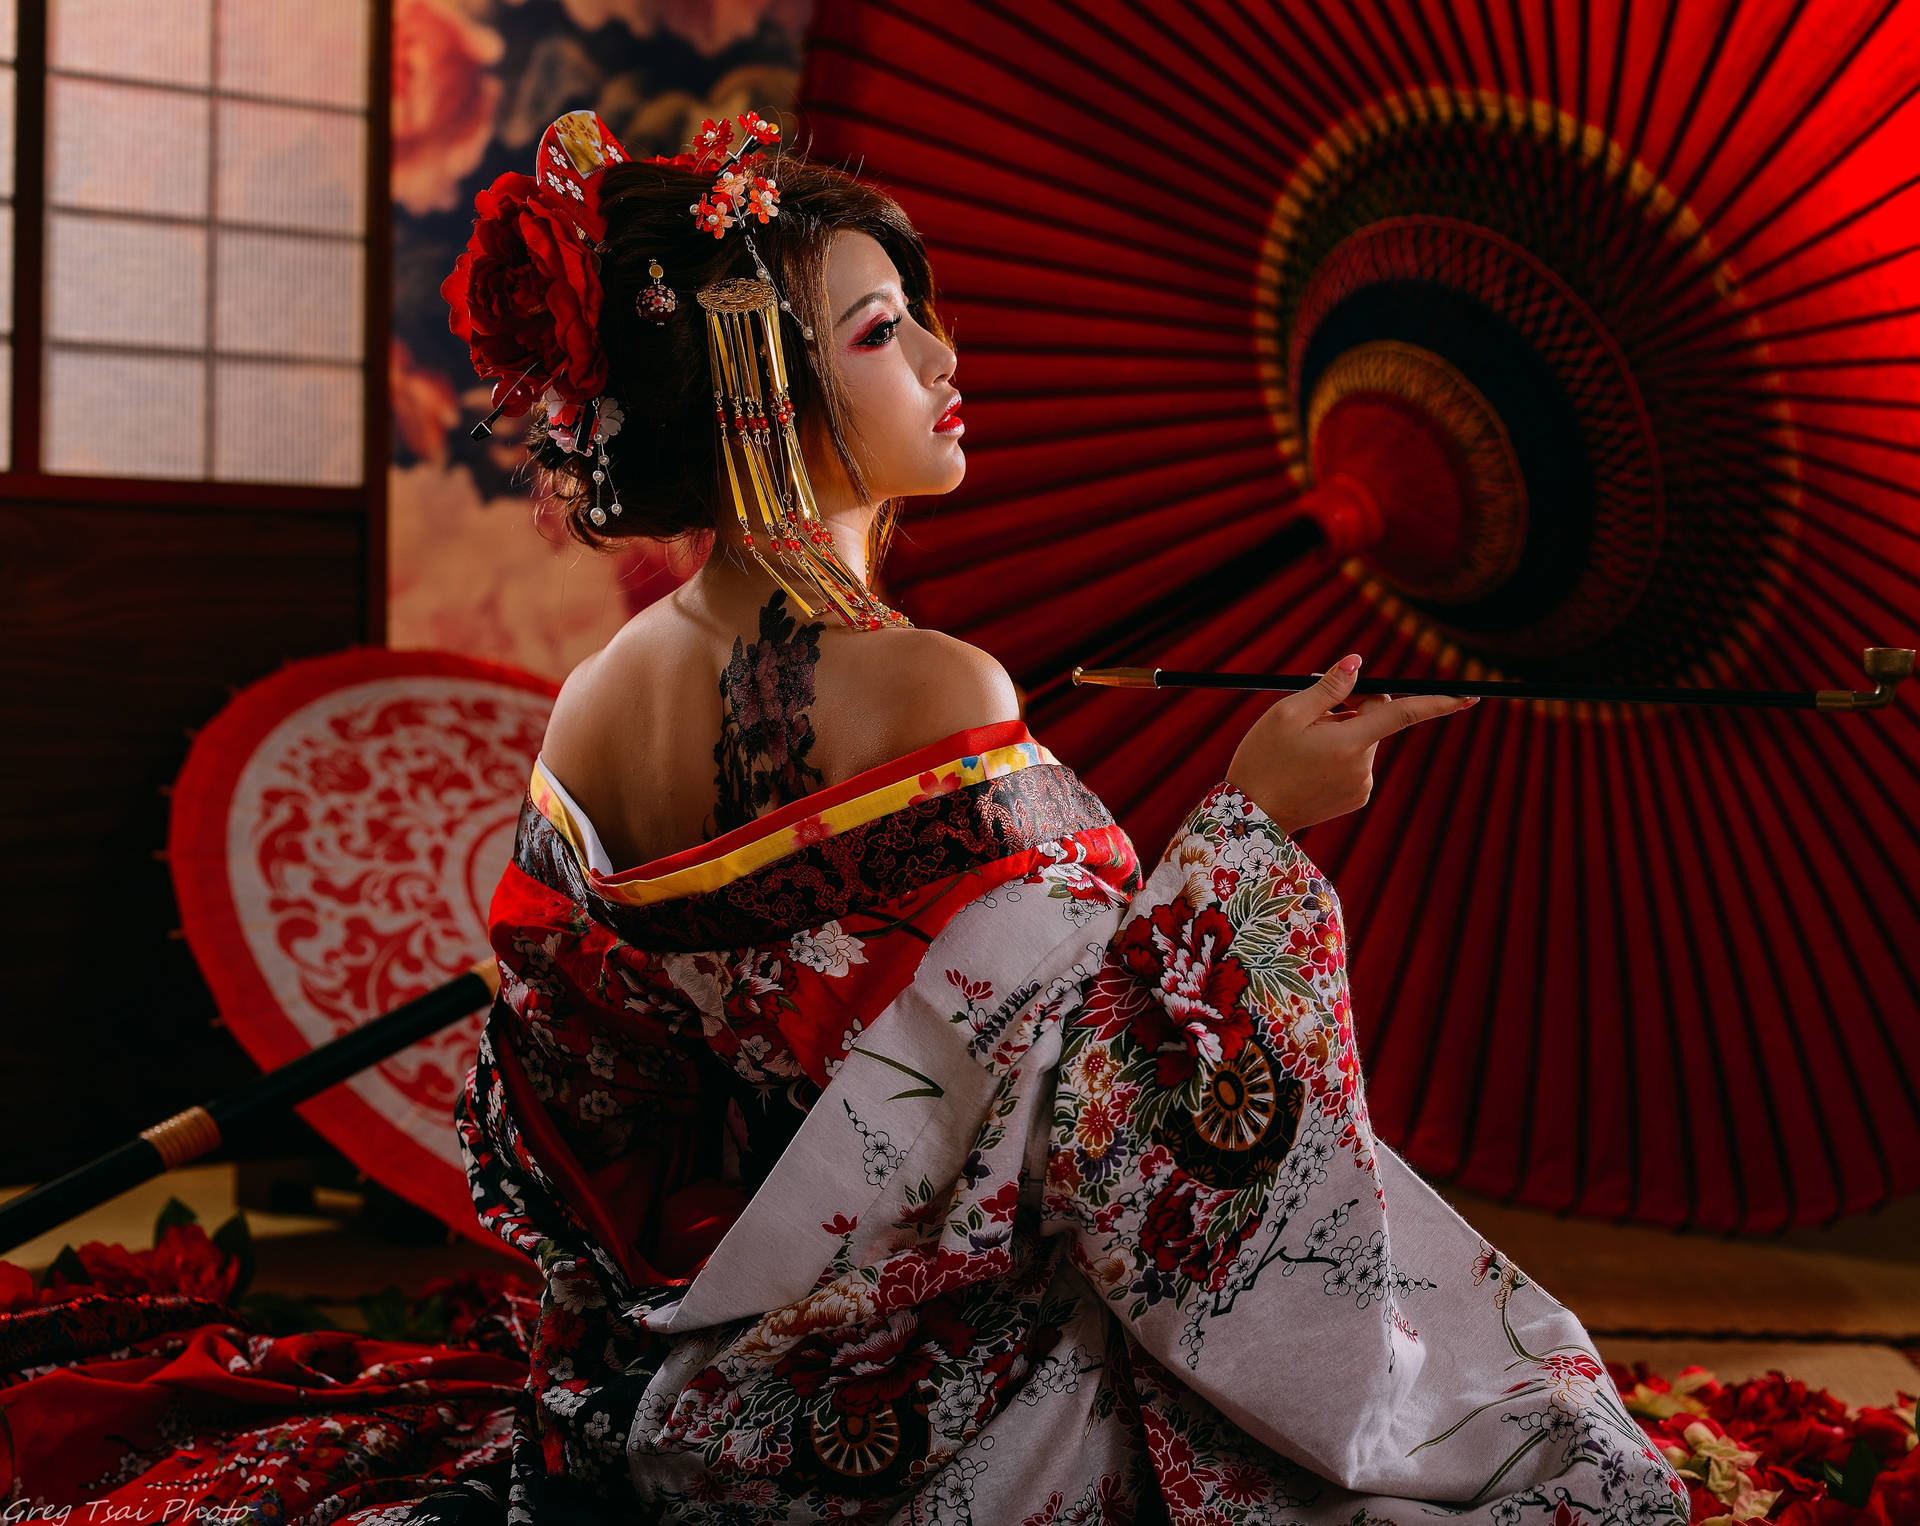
{"x":922,"y":685}
{"x":656,"y":667}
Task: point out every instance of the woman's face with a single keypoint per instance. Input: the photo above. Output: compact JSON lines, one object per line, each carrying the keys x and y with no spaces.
{"x":897,"y":376}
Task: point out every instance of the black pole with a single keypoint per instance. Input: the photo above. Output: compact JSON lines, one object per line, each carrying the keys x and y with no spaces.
{"x":197,"y":1131}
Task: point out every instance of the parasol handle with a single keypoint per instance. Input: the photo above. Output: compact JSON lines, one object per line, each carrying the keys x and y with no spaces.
{"x":198,"y":1130}
{"x":1887,"y":666}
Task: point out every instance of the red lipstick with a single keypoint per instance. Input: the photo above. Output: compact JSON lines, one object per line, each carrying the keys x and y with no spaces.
{"x":950,"y":420}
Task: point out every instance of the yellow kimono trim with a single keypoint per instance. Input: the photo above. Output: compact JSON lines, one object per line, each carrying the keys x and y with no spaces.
{"x":710,"y":874}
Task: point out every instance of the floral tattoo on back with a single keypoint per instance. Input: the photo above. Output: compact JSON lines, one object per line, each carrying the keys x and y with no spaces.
{"x":765,"y":733}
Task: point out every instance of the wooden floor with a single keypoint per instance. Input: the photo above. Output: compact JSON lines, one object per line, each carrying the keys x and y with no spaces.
{"x":1835,"y":1307}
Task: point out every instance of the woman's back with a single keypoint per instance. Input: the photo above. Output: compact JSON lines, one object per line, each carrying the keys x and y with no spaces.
{"x":709,"y":709}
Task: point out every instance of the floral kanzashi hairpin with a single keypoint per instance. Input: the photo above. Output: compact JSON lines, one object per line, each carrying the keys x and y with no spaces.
{"x":739,"y":190}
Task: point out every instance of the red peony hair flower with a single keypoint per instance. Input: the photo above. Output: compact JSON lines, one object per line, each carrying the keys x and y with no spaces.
{"x":525,"y":295}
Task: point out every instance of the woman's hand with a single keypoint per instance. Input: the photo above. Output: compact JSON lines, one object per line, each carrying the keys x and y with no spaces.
{"x":1301,"y":764}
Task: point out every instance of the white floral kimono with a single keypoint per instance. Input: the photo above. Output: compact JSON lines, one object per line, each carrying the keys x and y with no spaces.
{"x":912,"y":1155}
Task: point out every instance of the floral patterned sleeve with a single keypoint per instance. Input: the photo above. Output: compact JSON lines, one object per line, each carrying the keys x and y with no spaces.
{"x":1211,"y":1162}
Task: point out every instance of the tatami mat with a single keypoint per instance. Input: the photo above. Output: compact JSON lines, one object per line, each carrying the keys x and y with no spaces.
{"x":1738,"y":1307}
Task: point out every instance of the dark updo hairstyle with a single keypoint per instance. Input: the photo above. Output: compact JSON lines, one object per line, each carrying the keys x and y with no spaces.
{"x":665,"y":459}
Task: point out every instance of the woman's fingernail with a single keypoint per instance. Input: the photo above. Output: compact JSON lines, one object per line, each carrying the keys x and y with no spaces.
{"x":1350,"y":665}
{"x":1471,"y":701}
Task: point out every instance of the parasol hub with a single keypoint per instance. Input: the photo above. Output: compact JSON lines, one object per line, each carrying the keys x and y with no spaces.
{"x":1347,"y":511}
{"x":1376,"y":449}
{"x":1396,"y":428}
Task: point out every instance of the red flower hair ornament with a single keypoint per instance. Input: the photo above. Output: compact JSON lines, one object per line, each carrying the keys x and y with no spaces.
{"x":526,"y":295}
{"x":739,"y":190}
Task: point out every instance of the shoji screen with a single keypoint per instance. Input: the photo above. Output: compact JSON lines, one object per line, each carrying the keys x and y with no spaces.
{"x":205,"y":240}
{"x":7,"y":94}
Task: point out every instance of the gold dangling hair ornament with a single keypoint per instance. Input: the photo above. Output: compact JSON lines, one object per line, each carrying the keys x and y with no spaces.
{"x":754,"y":413}
{"x":752,"y":403}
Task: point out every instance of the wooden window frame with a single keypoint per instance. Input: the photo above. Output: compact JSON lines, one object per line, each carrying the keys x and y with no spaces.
{"x":24,"y":479}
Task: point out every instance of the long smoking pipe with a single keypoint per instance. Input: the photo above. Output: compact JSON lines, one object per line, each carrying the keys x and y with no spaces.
{"x":1887,"y":666}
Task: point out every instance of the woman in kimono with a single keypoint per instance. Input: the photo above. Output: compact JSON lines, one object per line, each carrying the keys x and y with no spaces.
{"x":894,"y":1141}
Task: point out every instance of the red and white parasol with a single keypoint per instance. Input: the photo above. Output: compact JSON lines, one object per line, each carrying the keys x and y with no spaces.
{"x":336,"y":836}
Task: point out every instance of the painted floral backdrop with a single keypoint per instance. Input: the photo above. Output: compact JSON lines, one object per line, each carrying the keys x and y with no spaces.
{"x":475,"y":83}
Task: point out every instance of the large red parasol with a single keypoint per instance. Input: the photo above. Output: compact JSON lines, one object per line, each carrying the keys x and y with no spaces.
{"x":1537,"y":340}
